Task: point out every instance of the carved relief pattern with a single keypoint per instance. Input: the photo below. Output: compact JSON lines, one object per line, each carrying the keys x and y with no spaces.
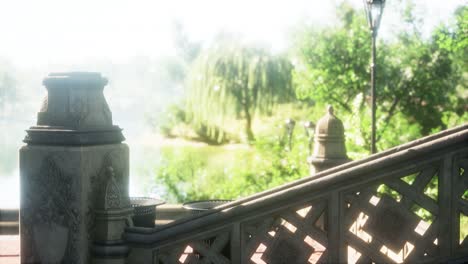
{"x":51,"y":212}
{"x":89,"y":108}
{"x":383,"y":221}
{"x":79,"y":106}
{"x":112,"y":191}
{"x":114,"y":159}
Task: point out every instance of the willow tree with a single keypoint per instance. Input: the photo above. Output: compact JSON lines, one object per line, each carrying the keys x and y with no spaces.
{"x":233,"y":80}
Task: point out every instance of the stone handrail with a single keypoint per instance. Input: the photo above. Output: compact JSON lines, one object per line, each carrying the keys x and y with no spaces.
{"x":339,"y":198}
{"x":167,"y":213}
{"x":379,"y":155}
{"x":410,"y":145}
{"x":9,"y":223}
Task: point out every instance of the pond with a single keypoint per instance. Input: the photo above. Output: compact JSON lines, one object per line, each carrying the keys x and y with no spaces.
{"x":11,"y":135}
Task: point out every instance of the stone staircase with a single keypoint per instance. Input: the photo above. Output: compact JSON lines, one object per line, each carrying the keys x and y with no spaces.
{"x":360,"y":212}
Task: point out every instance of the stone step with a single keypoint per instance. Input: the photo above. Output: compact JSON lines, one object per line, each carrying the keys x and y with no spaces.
{"x":9,"y":228}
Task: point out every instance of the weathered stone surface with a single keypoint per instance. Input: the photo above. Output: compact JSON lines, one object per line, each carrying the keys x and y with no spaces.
{"x":329,"y":143}
{"x":75,"y":100}
{"x":63,"y":170}
{"x":391,"y":223}
{"x":59,"y":187}
{"x":286,"y":248}
{"x":112,"y":209}
{"x":75,"y":112}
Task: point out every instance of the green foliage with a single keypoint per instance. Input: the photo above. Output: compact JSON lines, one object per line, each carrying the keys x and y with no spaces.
{"x":234,"y":80}
{"x":357,"y":124}
{"x":416,"y":79}
{"x":193,"y":173}
{"x":175,"y":122}
{"x":421,"y":88}
{"x":463,"y":227}
{"x":453,"y":39}
{"x":332,"y":63}
{"x":419,"y":211}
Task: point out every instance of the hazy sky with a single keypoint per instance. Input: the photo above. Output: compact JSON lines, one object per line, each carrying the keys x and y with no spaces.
{"x":37,"y":33}
{"x":51,"y":35}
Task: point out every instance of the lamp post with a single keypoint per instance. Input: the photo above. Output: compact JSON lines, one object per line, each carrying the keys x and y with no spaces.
{"x":374,"y":10}
{"x":309,"y":127}
{"x":289,"y":123}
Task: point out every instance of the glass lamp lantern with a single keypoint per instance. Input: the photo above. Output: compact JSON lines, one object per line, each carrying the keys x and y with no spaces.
{"x":374,"y":10}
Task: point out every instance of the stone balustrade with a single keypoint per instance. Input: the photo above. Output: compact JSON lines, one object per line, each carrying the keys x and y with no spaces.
{"x":75,"y":206}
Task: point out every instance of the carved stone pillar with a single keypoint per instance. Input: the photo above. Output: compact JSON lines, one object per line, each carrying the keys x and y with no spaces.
{"x":64,"y":166}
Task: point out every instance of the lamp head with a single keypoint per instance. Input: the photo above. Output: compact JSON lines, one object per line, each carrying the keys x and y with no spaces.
{"x":309,"y":127}
{"x":374,"y":11}
{"x":290,"y":123}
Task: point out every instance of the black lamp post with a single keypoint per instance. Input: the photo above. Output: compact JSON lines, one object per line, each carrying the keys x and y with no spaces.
{"x":374,"y":10}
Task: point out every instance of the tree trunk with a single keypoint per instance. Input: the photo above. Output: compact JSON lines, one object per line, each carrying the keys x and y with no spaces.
{"x":248,"y":124}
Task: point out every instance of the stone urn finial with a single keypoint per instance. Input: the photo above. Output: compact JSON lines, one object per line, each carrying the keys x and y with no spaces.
{"x":330,"y":109}
{"x":75,"y":112}
{"x":112,"y":214}
{"x":329,"y":143}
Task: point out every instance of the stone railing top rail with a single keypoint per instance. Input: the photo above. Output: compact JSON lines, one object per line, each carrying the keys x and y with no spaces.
{"x":346,"y":175}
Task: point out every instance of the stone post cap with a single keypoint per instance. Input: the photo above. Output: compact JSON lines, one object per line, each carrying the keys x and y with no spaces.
{"x":75,"y":79}
{"x":75,"y":112}
{"x":329,"y":142}
{"x":329,"y":127}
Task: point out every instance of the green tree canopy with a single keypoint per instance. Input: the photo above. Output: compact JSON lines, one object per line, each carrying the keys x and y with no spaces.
{"x":415,"y":75}
{"x":453,"y":38}
{"x":233,"y":80}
